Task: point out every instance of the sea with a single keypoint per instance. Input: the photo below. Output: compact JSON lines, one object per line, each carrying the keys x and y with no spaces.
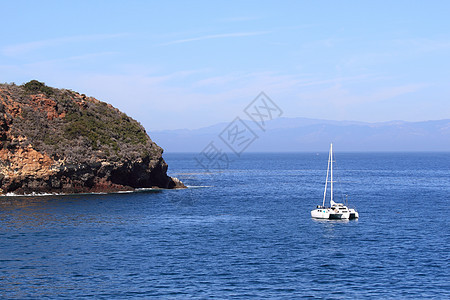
{"x":240,"y":231}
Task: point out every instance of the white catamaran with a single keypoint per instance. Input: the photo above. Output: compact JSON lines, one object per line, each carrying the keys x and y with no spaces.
{"x":335,"y":210}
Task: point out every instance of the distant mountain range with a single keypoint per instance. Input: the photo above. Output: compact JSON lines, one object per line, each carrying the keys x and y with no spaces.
{"x":304,"y":134}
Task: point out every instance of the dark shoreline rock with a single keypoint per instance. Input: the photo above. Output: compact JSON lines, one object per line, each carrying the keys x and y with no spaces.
{"x":58,"y":141}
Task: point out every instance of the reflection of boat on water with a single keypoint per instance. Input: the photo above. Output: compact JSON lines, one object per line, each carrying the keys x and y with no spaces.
{"x":336,"y":210}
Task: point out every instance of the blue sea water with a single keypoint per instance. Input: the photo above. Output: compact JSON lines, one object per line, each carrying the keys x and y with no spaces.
{"x":244,"y":232}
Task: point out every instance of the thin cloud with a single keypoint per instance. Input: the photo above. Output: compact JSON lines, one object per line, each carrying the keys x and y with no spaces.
{"x":216,"y":36}
{"x":16,"y":49}
{"x":395,"y":91}
{"x":424,"y":45}
{"x":272,"y":78}
{"x":239,"y":19}
{"x":88,"y":56}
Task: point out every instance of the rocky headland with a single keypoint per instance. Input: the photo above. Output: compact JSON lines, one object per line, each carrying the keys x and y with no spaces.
{"x":59,"y":141}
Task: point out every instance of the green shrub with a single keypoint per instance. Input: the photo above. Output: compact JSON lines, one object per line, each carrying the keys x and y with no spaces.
{"x":35,"y":86}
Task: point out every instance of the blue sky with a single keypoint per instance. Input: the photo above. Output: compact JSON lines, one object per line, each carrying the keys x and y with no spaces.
{"x":188,"y":64}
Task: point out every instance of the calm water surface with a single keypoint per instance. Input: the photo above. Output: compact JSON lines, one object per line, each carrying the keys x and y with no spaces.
{"x":241,"y":233}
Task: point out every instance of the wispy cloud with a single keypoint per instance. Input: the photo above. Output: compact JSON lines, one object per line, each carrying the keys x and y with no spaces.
{"x":423,"y":45}
{"x":393,"y":51}
{"x":216,"y":36}
{"x":395,"y":91}
{"x":76,"y":58}
{"x":343,"y":97}
{"x":240,"y":19}
{"x":22,"y":48}
{"x":273,"y":79}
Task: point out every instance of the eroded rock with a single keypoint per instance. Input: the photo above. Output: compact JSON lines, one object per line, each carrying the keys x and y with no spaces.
{"x":58,"y":141}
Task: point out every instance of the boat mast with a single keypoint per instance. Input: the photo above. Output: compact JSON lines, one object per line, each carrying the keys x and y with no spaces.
{"x":331,"y":158}
{"x":326,"y":181}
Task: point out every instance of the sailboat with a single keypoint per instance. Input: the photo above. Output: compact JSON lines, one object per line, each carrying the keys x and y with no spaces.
{"x":335,"y":210}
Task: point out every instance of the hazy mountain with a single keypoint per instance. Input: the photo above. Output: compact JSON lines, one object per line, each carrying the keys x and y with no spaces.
{"x":303,"y":134}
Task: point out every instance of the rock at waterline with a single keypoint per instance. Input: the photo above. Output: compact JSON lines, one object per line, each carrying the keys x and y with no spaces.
{"x":58,"y":141}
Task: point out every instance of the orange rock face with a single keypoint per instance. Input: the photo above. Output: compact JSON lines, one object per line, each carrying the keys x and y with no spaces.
{"x":10,"y":106}
{"x":26,"y":162}
{"x":43,"y":103}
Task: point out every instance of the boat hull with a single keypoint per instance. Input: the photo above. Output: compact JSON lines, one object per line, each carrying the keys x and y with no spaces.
{"x":353,"y":214}
{"x":334,"y":214}
{"x":339,"y":216}
{"x":320,"y":213}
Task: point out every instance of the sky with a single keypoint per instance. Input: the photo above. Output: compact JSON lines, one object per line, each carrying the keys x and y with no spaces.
{"x":189,"y":64}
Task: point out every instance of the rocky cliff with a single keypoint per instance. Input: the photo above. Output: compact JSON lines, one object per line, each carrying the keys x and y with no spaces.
{"x":58,"y":141}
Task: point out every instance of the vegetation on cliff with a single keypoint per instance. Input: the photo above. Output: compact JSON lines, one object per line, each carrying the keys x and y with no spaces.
{"x":59,"y":140}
